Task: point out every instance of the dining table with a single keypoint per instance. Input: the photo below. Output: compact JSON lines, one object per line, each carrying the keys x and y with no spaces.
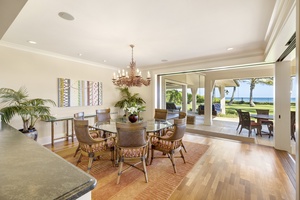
{"x":260,"y":117}
{"x":153,"y":126}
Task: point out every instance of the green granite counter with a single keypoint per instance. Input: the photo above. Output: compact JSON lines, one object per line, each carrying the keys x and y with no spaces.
{"x":30,"y":171}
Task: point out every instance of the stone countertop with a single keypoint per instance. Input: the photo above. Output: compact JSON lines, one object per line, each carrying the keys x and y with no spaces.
{"x":30,"y":171}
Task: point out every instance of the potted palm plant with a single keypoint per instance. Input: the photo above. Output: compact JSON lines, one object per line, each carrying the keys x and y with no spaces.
{"x":30,"y":110}
{"x":130,"y":101}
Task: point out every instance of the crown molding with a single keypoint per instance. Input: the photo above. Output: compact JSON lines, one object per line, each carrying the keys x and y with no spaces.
{"x":210,"y":63}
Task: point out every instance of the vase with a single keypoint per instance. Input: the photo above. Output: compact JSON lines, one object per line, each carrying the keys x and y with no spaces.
{"x":133,"y":118}
{"x":31,"y":133}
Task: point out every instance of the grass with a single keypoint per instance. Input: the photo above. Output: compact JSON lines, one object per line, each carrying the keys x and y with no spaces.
{"x":230,"y":109}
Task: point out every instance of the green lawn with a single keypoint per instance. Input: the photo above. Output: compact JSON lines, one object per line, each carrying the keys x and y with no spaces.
{"x":230,"y":109}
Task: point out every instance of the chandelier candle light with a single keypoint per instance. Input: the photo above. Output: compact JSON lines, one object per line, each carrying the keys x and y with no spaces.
{"x":133,"y":78}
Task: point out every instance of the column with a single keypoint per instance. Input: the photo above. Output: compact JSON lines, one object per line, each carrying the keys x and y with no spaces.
{"x":161,"y":98}
{"x":222,"y":98}
{"x":282,"y":135}
{"x":194,"y":98}
{"x":208,"y":101}
{"x":184,"y":98}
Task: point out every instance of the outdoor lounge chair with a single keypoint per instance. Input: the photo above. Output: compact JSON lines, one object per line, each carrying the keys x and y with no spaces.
{"x":171,"y":107}
{"x":201,"y":110}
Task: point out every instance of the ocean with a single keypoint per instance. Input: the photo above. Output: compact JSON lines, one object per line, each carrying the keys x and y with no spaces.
{"x":257,"y":99}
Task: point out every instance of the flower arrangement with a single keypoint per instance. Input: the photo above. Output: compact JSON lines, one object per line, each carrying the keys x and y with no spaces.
{"x":133,"y":108}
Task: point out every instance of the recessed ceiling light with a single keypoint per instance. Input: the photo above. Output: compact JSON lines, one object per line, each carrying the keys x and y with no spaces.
{"x":66,"y":16}
{"x":80,"y":54}
{"x":229,"y":49}
{"x":31,"y":42}
{"x":104,"y":61}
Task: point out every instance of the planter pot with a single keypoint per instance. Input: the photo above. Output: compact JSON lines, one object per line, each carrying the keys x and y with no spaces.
{"x":32,"y":133}
{"x":133,"y":118}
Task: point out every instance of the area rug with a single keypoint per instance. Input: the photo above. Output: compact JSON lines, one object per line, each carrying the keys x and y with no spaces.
{"x":162,"y":179}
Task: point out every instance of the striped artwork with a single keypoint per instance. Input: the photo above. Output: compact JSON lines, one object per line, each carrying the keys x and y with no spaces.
{"x":79,"y":93}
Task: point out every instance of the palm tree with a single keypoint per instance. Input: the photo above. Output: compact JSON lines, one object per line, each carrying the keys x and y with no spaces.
{"x":30,"y":110}
{"x":232,"y":96}
{"x":253,"y":82}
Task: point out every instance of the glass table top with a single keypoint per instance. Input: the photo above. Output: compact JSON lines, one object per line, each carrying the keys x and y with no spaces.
{"x":152,"y":125}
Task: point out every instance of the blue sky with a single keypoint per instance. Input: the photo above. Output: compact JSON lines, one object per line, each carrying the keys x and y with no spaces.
{"x":260,"y":90}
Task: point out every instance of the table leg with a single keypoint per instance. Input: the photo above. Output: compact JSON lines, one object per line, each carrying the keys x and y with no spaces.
{"x":72,"y":121}
{"x":52,"y":134}
{"x":67,"y":127}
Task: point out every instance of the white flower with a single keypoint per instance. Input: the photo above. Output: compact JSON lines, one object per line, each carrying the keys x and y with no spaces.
{"x":132,"y":110}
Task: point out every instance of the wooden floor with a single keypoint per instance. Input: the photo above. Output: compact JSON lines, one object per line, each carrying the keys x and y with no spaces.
{"x":233,"y":170}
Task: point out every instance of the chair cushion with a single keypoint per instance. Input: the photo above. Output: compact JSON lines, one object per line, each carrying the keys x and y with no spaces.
{"x":97,"y":147}
{"x":131,"y":152}
{"x":255,"y":123}
{"x":165,"y":145}
{"x":94,"y":133}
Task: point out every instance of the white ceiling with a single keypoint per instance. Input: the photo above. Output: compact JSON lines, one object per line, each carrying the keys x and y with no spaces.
{"x":160,"y":30}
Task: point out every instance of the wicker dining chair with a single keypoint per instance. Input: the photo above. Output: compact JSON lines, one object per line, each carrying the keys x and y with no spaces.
{"x":246,"y":123}
{"x":94,"y":133}
{"x":160,"y":114}
{"x":92,"y":148}
{"x":80,"y":116}
{"x":132,"y":147}
{"x":181,"y":120}
{"x":240,"y":118}
{"x":263,"y":112}
{"x":169,"y":144}
{"x":271,"y":129}
{"x":103,"y":117}
{"x":182,"y":115}
{"x":293,"y":126}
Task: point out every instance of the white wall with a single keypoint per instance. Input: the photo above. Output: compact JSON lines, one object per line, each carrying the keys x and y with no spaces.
{"x":147,"y":95}
{"x":39,"y":73}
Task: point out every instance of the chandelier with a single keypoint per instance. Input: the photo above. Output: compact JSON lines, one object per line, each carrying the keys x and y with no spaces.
{"x":131,"y":78}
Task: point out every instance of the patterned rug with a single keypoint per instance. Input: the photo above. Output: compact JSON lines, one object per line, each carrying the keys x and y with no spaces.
{"x":162,"y":179}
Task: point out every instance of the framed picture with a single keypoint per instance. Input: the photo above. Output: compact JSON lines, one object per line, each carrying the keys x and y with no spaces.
{"x":79,"y":93}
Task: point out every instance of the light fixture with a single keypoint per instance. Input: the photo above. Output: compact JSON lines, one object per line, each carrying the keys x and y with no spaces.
{"x":31,"y":42}
{"x":131,"y":78}
{"x":66,"y":16}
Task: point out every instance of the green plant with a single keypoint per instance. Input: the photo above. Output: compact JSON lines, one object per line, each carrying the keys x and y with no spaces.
{"x":128,"y":99}
{"x":30,"y":110}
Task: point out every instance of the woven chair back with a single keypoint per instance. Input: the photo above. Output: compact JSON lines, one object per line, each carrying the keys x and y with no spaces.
{"x":245,"y":119}
{"x":160,"y":114}
{"x":182,"y":115}
{"x":82,"y":131}
{"x":262,"y":111}
{"x":79,"y":116}
{"x":103,"y":115}
{"x":131,"y":134}
{"x":179,"y":129}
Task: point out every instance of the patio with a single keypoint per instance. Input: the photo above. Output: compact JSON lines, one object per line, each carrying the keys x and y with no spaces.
{"x":226,"y":128}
